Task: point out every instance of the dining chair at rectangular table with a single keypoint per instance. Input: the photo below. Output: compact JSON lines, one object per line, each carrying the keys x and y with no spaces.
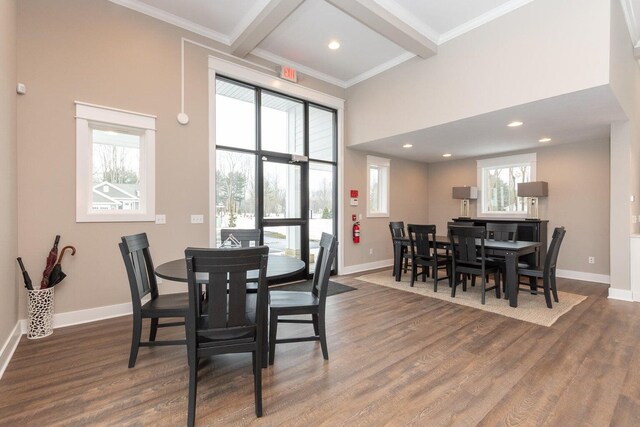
{"x":397,"y":231}
{"x":424,"y":254}
{"x":547,"y":272}
{"x":232,"y":320}
{"x":500,"y":233}
{"x":286,"y":303}
{"x":142,"y":282}
{"x":246,"y":237}
{"x":469,"y":257}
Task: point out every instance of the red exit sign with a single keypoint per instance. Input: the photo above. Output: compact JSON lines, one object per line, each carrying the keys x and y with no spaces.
{"x":289,"y":73}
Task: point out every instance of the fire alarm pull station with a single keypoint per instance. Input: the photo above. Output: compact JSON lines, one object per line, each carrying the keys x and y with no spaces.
{"x":353,"y":217}
{"x":354,"y":198}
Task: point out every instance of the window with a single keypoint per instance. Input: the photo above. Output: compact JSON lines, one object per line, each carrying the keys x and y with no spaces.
{"x":498,"y":179}
{"x":377,"y":186}
{"x":115,"y":165}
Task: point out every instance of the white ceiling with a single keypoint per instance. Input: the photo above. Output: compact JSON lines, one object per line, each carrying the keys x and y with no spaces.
{"x":376,"y":35}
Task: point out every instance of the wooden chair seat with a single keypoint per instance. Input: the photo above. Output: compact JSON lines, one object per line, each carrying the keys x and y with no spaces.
{"x":167,"y":305}
{"x":285,"y":301}
{"x":425,"y":255}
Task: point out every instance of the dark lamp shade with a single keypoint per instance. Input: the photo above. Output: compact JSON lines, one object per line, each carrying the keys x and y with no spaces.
{"x":465,"y":193}
{"x":533,"y":189}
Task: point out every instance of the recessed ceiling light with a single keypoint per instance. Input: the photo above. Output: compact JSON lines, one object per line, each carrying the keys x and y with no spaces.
{"x":407,"y":146}
{"x":446,"y":155}
{"x":544,"y":140}
{"x":515,"y":124}
{"x":334,"y":44}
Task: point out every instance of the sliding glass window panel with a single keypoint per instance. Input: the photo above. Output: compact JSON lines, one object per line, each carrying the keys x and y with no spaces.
{"x":115,"y":169}
{"x":321,"y":134}
{"x":235,"y":115}
{"x":284,"y":241}
{"x":281,"y":190}
{"x":235,"y":190}
{"x":321,"y":205}
{"x":282,"y":124}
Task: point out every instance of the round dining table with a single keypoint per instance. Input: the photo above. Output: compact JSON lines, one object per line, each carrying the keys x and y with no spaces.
{"x":278,"y":267}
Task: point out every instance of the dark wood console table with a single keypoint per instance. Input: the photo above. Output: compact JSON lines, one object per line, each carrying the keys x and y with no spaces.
{"x":528,"y":230}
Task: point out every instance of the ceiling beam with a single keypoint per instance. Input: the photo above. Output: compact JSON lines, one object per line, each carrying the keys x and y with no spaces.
{"x":264,"y":23}
{"x":383,"y":22}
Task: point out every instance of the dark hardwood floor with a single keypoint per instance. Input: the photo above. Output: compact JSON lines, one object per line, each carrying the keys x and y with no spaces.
{"x":395,"y":358}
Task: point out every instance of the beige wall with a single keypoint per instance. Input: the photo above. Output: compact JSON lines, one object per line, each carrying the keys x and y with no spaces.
{"x":408,"y":203}
{"x":543,"y":49}
{"x":578,"y":177}
{"x":8,"y":212}
{"x":101,"y":53}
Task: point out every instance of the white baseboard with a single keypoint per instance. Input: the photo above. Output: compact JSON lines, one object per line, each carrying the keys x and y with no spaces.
{"x":620,"y":294}
{"x":70,"y":318}
{"x":9,"y":348}
{"x":365,"y":267}
{"x":587,"y":277}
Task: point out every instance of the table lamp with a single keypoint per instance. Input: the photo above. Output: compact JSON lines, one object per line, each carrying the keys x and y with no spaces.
{"x":465,"y":194}
{"x":533,"y":190}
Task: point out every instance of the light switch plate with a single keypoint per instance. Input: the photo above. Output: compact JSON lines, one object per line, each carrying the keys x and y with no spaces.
{"x":197,"y":219}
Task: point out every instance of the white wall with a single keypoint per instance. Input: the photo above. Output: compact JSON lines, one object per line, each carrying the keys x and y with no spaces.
{"x":543,"y":49}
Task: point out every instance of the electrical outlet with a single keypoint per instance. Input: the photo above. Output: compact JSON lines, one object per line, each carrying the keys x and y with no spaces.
{"x":197,"y":219}
{"x":370,"y":251}
{"x":161,"y":219}
{"x":592,"y":260}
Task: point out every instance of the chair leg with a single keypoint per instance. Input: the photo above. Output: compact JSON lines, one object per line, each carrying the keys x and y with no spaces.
{"x":323,"y":337}
{"x":273,"y":331}
{"x":135,"y":340}
{"x":533,"y":284}
{"x":414,"y":273}
{"x":153,"y":329}
{"x":554,"y":288}
{"x":193,"y":385}
{"x":454,"y":284}
{"x":483,"y":287}
{"x":316,"y":329}
{"x":435,"y":278}
{"x":406,"y":265}
{"x":257,"y":378}
{"x":496,"y":277}
{"x":547,"y":292}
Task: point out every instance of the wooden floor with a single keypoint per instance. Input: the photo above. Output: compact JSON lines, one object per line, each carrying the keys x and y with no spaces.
{"x":396,"y":358}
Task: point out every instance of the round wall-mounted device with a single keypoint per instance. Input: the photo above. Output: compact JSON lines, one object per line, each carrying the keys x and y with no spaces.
{"x":183,"y":119}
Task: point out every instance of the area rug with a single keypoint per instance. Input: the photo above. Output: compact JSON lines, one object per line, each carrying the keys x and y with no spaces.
{"x":531,"y":308}
{"x":334,"y":288}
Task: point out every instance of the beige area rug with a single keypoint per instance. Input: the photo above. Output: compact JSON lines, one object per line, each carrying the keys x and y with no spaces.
{"x":531,"y":308}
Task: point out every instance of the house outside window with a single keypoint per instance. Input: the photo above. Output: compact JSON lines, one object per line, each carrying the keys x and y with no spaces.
{"x":378,"y":172}
{"x":115,"y":165}
{"x":498,"y":179}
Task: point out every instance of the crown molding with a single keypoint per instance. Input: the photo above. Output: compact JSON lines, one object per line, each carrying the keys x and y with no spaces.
{"x":485,"y":18}
{"x":172,"y":19}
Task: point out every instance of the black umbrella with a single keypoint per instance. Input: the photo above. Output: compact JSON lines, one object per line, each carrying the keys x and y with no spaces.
{"x":57,"y":275}
{"x":25,"y":275}
{"x":51,"y":260}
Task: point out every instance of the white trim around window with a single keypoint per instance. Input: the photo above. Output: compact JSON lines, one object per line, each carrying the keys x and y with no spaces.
{"x":378,"y":185}
{"x":483,"y":165}
{"x":137,"y":207}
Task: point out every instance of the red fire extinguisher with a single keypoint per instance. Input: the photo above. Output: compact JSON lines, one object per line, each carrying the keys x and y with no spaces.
{"x":356,"y":232}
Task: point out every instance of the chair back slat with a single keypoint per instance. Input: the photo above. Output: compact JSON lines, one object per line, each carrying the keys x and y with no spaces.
{"x":422,"y":240}
{"x":554,"y":249}
{"x":140,"y":272}
{"x":463,"y":240}
{"x":227,"y":311}
{"x":326,"y":255}
{"x":397,"y":229}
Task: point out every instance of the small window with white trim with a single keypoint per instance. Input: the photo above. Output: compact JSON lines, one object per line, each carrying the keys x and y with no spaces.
{"x":115,"y":165}
{"x":378,"y":171}
{"x":498,"y":180}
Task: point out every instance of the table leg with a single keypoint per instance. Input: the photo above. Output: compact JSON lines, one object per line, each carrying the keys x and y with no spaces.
{"x":511,"y":277}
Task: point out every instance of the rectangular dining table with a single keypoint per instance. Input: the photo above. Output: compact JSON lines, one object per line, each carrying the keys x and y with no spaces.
{"x":511,"y":251}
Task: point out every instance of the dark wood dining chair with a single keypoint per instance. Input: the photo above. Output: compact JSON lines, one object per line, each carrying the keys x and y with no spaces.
{"x":285,"y":303}
{"x":246,"y":237}
{"x":424,"y":254}
{"x":397,"y":230}
{"x":142,"y":282}
{"x":548,"y":272}
{"x":469,"y":257}
{"x":231,"y":320}
{"x":502,"y":232}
